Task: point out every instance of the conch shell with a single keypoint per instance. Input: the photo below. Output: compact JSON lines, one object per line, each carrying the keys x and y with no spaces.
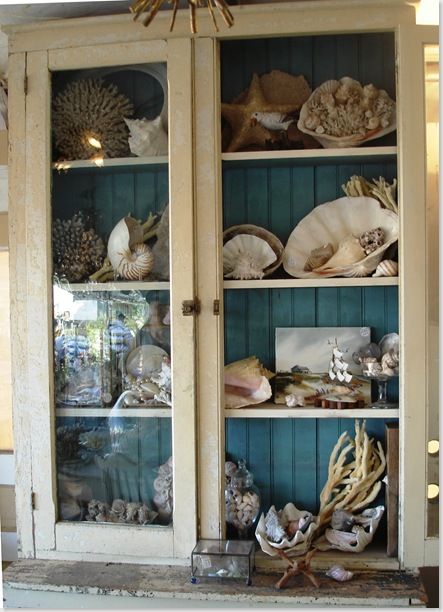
{"x":129,"y":257}
{"x":349,"y":251}
{"x":147,"y":137}
{"x":387,"y":267}
{"x":318,"y":257}
{"x":338,"y":572}
{"x":246,"y":383}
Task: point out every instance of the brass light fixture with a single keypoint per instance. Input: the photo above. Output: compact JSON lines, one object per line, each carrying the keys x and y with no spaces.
{"x":140,"y":6}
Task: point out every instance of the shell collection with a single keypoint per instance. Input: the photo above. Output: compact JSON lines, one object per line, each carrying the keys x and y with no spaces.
{"x":242,"y":498}
{"x":358,"y":229}
{"x":77,"y":249}
{"x":380,"y":360}
{"x":289,"y":529}
{"x":120,"y":512}
{"x":147,"y":376}
{"x":89,"y":111}
{"x":344,"y":113}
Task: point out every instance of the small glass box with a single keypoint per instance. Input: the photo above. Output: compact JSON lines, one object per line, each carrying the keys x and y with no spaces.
{"x":223,"y":559}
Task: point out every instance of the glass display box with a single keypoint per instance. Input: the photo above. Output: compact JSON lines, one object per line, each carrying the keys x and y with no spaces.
{"x":223,"y":559}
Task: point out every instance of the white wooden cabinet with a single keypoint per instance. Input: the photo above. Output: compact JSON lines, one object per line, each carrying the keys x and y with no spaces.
{"x":202,"y":185}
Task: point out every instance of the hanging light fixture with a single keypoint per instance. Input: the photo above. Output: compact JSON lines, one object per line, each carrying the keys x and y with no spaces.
{"x":152,"y":6}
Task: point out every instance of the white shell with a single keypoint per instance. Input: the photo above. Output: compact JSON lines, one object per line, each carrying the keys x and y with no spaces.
{"x":356,"y":540}
{"x":332,"y":222}
{"x":349,"y":251}
{"x":338,"y":572}
{"x":296,"y":545}
{"x":366,"y":129}
{"x":147,"y":137}
{"x":387,"y":267}
{"x":145,"y":361}
{"x":129,"y":257}
{"x":259,"y":232}
{"x":246,"y":256}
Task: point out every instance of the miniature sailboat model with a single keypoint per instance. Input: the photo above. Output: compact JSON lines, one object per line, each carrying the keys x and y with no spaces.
{"x":338,"y":367}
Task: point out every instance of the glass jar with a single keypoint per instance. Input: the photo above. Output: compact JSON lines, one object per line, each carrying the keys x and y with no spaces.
{"x":242,"y":499}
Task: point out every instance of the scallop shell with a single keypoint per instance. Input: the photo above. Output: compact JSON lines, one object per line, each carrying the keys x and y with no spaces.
{"x":309,"y":123}
{"x":332,"y":222}
{"x":259,"y":232}
{"x":145,"y":361}
{"x":129,"y":257}
{"x":246,"y":256}
{"x":387,"y":267}
{"x":338,"y":572}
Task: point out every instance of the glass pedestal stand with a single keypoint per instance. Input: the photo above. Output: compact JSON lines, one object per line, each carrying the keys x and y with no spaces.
{"x":382,"y":384}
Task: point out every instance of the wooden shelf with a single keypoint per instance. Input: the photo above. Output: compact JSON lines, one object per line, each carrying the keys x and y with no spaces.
{"x":279,"y":411}
{"x":308,"y":154}
{"x":154,"y":412}
{"x":117,"y":286}
{"x":110,"y":163}
{"x":293,"y":283}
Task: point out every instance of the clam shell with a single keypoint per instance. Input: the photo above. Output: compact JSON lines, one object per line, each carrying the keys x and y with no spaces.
{"x":296,"y":544}
{"x":259,"y":232}
{"x":329,"y":141}
{"x":387,"y":267}
{"x":332,"y":222}
{"x":356,"y":540}
{"x":246,"y":256}
{"x":145,"y":361}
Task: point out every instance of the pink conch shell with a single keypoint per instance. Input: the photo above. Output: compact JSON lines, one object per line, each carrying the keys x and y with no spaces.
{"x":338,"y":572}
{"x":246,"y":383}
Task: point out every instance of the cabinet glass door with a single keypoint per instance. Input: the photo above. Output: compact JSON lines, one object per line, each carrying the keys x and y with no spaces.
{"x":121,"y":366}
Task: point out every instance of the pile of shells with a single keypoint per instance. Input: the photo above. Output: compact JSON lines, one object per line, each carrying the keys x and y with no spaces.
{"x":163,"y":497}
{"x":77,"y":250}
{"x":344,"y":113}
{"x":120,"y":512}
{"x":289,"y":529}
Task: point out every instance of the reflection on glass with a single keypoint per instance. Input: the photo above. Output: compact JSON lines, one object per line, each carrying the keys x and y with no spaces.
{"x":432,"y":278}
{"x":115,"y":470}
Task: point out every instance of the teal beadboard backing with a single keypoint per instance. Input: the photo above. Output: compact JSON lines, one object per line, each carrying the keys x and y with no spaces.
{"x":369,"y":58}
{"x":110,"y":193}
{"x":277,"y":198}
{"x":289,"y":457}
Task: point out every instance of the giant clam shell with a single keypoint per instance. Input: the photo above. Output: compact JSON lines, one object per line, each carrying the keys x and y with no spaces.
{"x":364,"y":131}
{"x":298,"y":544}
{"x":129,"y":257}
{"x":248,"y":229}
{"x":357,"y":539}
{"x":145,"y":361}
{"x":332,"y":222}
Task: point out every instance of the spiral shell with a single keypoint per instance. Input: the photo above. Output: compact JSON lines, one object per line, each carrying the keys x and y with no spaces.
{"x":387,"y":267}
{"x":338,"y":572}
{"x":137,"y":264}
{"x":130,"y":258}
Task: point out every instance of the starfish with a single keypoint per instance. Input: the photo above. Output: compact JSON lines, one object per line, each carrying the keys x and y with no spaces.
{"x":240,"y":116}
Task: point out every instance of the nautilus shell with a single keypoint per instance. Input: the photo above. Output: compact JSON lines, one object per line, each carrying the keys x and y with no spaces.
{"x":129,"y":257}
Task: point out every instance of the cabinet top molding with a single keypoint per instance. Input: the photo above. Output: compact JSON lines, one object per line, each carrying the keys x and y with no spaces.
{"x":279,"y":19}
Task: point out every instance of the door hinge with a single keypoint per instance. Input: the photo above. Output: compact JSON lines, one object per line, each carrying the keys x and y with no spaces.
{"x":25,"y":84}
{"x":33,"y":501}
{"x":216,"y":309}
{"x":191,"y":307}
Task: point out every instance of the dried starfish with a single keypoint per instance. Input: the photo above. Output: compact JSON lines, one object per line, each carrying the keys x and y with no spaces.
{"x":240,"y":116}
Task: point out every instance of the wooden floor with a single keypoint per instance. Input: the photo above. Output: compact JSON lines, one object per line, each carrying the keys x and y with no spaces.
{"x":142,"y":586}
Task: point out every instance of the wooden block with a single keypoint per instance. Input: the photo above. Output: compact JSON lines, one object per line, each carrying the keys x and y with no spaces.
{"x":392,"y":458}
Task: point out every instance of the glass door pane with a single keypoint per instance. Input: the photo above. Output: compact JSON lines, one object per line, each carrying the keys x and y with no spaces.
{"x":110,"y":251}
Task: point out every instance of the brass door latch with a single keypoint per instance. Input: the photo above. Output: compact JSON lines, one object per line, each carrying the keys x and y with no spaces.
{"x":190,"y":307}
